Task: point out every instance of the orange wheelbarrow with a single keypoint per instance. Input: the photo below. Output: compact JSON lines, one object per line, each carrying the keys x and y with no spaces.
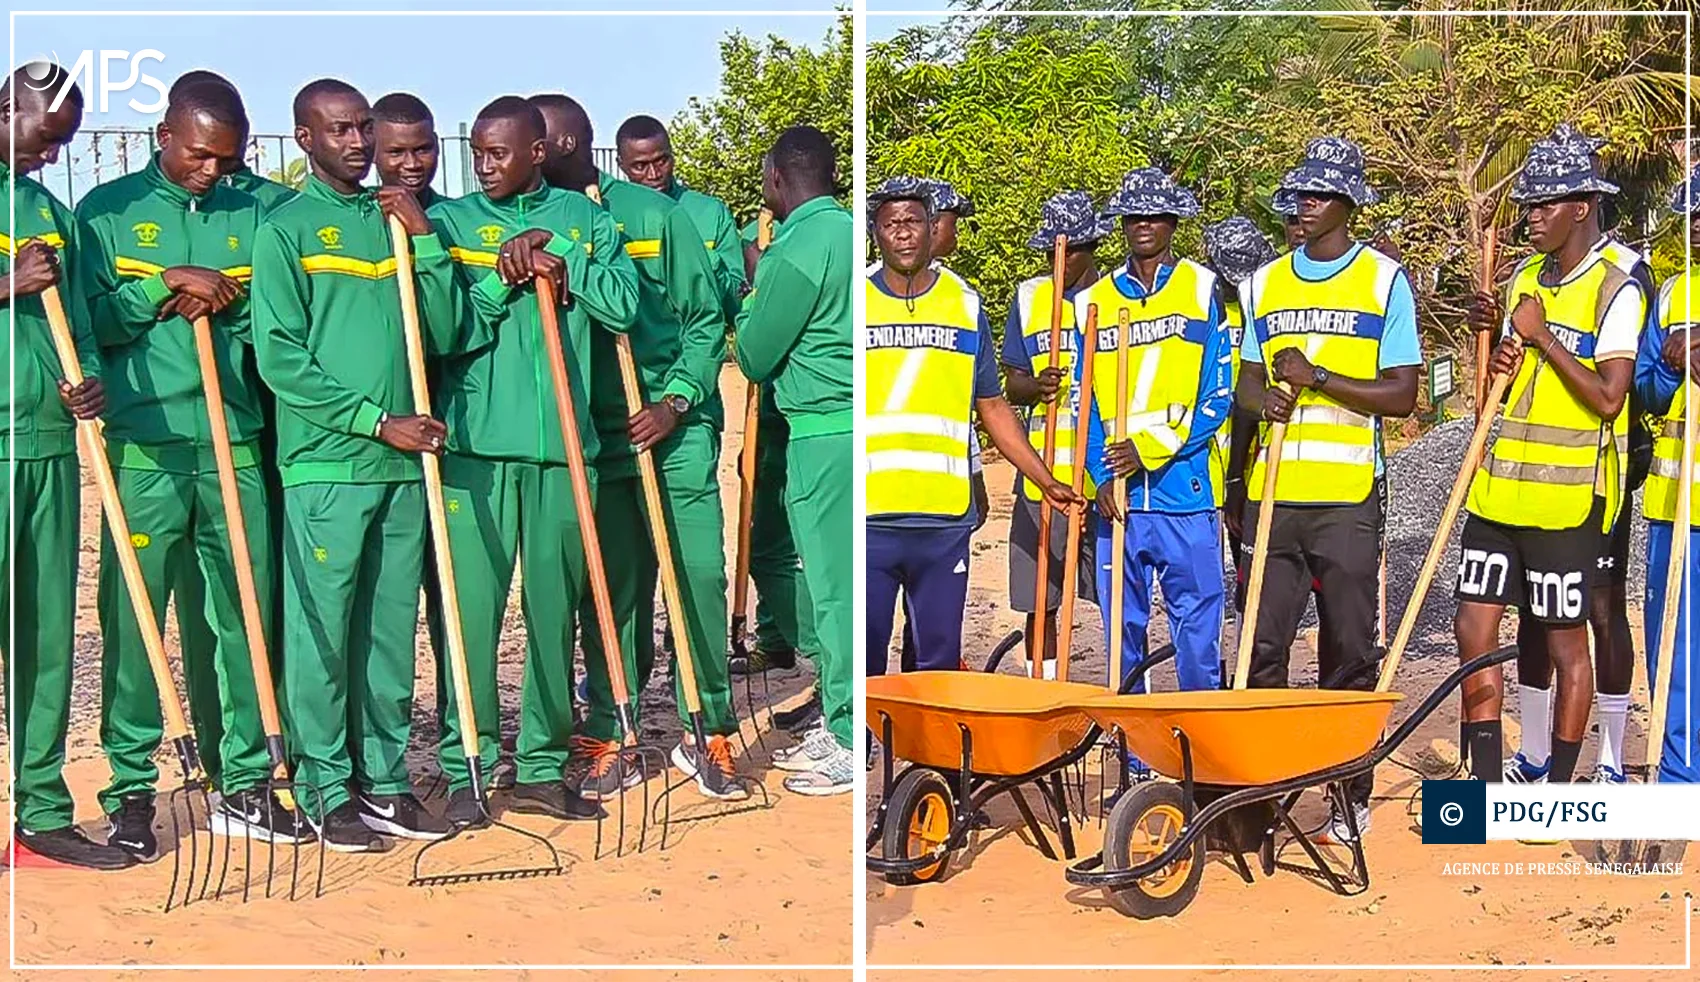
{"x":969,"y":737}
{"x":1250,"y":750}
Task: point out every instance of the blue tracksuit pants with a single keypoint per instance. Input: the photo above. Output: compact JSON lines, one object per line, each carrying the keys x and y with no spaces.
{"x":930,"y":567}
{"x":1184,"y":553}
{"x":1681,"y":758}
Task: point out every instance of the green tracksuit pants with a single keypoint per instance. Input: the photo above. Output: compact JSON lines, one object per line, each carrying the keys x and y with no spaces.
{"x":686,"y":463}
{"x":182,"y":543}
{"x":352,"y":555}
{"x":819,"y":497}
{"x":784,"y":615}
{"x":499,"y":511}
{"x":38,"y":559}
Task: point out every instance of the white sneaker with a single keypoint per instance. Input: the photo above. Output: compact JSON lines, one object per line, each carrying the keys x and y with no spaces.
{"x":818,"y":744}
{"x":834,"y":774}
{"x":1337,"y":832}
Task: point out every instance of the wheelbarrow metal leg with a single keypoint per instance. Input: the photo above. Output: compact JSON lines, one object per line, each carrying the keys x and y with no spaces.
{"x":1039,"y":838}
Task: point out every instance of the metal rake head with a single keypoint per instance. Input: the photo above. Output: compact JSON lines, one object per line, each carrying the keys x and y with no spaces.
{"x":190,"y":809}
{"x":755,"y":794}
{"x":647,"y":762}
{"x":491,"y":825}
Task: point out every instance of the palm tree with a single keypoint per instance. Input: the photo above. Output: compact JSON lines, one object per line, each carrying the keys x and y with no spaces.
{"x":293,"y":174}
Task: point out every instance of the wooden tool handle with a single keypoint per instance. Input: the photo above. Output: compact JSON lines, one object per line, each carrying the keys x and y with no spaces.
{"x":1484,"y":341}
{"x":678,"y":616}
{"x":1042,"y":585}
{"x":1681,"y":529}
{"x":574,"y":446}
{"x":1076,"y":518}
{"x":253,"y":625}
{"x":93,"y":449}
{"x":1259,"y":552}
{"x":441,"y":551}
{"x":1118,"y":530}
{"x":747,"y":467}
{"x":1443,"y":533}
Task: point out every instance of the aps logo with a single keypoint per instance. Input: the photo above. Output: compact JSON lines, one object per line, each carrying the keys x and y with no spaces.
{"x":147,"y":234}
{"x":331,"y":236}
{"x":39,"y":76}
{"x":233,"y":242}
{"x":489,"y":234}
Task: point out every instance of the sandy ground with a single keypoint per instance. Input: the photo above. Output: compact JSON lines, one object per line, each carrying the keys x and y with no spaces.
{"x":1003,"y":902}
{"x":761,"y":886}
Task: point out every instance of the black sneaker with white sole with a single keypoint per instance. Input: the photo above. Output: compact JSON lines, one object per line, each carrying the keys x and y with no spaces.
{"x":555,"y":799}
{"x":401,"y":815}
{"x":762,"y":660}
{"x":70,"y":846}
{"x":343,"y":830}
{"x":463,"y":810}
{"x":249,"y":815}
{"x":802,"y":718}
{"x":715,"y":774}
{"x":132,"y":827}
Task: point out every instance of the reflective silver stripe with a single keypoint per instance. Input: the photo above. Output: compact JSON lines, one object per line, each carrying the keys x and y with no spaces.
{"x":1544,"y":433}
{"x":1329,"y":452}
{"x":1672,"y":429}
{"x":918,"y":460}
{"x":1036,"y":419}
{"x":1517,"y":470}
{"x":920,"y":424}
{"x":1329,"y":415}
{"x":1671,"y":470}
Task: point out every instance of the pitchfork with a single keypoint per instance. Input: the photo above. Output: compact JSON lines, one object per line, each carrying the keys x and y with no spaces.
{"x":92,"y":446}
{"x":451,"y":607}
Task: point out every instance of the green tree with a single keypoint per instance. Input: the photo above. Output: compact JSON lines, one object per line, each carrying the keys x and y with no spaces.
{"x":293,"y":174}
{"x":765,"y":87}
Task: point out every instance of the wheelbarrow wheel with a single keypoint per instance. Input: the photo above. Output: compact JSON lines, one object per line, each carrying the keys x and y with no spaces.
{"x":1144,"y":823}
{"x":920,"y":814}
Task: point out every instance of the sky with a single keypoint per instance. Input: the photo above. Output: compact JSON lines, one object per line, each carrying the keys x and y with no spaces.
{"x":618,"y":66}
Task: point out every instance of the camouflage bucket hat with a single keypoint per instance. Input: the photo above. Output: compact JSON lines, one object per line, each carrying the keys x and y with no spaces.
{"x":900,"y":189}
{"x":1149,"y":191}
{"x":1236,"y":248}
{"x":1332,"y":165}
{"x":1683,"y":202}
{"x":1070,"y":213}
{"x":947,"y":198}
{"x":1559,"y":166}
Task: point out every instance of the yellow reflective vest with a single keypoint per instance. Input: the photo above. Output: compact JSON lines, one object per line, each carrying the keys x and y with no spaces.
{"x":1338,"y":322}
{"x":920,"y":397}
{"x":1033,"y":308}
{"x":1234,"y":318}
{"x":1554,"y":454}
{"x":1679,"y":308}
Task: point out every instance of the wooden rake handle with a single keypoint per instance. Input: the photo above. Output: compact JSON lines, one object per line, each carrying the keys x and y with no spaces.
{"x":1484,"y":343}
{"x":92,"y":446}
{"x":1443,"y":533}
{"x":1259,"y":552}
{"x":1118,"y":530}
{"x":1042,"y":586}
{"x":1674,"y":571}
{"x":747,"y":470}
{"x":253,"y":625}
{"x":1077,"y":517}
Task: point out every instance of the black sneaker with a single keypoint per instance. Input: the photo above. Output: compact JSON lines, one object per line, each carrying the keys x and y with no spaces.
{"x":343,"y":830}
{"x":248,"y":815}
{"x":463,"y":810}
{"x":760,"y":660}
{"x":555,"y":799}
{"x":132,"y":827}
{"x":70,"y":846}
{"x":604,"y":776}
{"x":802,"y":718}
{"x":401,"y":815}
{"x":718,"y":779}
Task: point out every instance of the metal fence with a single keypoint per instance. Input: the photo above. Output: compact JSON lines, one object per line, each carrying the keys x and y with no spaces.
{"x":100,"y":155}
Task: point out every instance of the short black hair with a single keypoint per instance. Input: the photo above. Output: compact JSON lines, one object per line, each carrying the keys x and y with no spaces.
{"x":214,"y":99}
{"x":512,"y":107}
{"x":805,"y":156}
{"x":640,"y":128}
{"x":197,"y":76}
{"x":43,"y":78}
{"x":402,"y":109}
{"x":313,"y":90}
{"x":576,"y":116}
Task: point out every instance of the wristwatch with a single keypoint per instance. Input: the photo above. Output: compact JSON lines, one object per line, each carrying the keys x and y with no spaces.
{"x":678,"y":403}
{"x":1319,"y":376}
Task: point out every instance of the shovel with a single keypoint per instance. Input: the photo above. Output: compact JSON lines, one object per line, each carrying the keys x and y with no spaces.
{"x":1042,"y":585}
{"x":676,"y":610}
{"x":451,"y":603}
{"x":278,"y":784}
{"x":1076,"y":518}
{"x":92,"y":446}
{"x":1259,"y":552}
{"x":546,"y":305}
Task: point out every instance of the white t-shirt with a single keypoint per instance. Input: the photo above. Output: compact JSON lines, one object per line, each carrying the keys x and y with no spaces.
{"x":1620,"y":332}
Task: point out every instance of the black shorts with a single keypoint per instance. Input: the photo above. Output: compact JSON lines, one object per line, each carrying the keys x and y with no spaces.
{"x":1024,"y":556}
{"x":1616,"y":559}
{"x":1546,"y":574}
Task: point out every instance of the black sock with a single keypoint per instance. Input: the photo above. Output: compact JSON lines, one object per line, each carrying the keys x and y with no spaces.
{"x":1486,"y":742}
{"x":1563,"y":760}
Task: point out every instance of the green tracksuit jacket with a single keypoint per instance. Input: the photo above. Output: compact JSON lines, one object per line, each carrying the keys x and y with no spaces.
{"x":508,"y":489}
{"x":269,"y":192}
{"x":720,"y":237}
{"x":159,"y":438}
{"x":38,"y":558}
{"x":679,"y":344}
{"x":796,"y":329}
{"x":328,"y":332}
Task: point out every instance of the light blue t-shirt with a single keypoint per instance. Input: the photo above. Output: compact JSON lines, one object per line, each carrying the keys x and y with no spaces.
{"x":1399,"y":345}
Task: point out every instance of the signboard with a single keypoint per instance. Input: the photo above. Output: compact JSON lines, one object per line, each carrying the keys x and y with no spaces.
{"x":1442,"y":379}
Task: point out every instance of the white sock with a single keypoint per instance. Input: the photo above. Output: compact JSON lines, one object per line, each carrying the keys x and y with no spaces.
{"x":1048,"y":668}
{"x":1614,"y":713}
{"x":1535,"y":715}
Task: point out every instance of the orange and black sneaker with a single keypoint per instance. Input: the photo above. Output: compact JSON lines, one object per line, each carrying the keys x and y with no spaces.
{"x":609,"y":770}
{"x":713,"y":770}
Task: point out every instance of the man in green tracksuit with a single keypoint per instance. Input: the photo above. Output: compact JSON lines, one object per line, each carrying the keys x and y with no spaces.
{"x":328,"y":328}
{"x":236,"y":172}
{"x":162,"y":247}
{"x":679,"y":343}
{"x":38,"y":446}
{"x":646,"y":155}
{"x":796,"y":330}
{"x":509,"y":490}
